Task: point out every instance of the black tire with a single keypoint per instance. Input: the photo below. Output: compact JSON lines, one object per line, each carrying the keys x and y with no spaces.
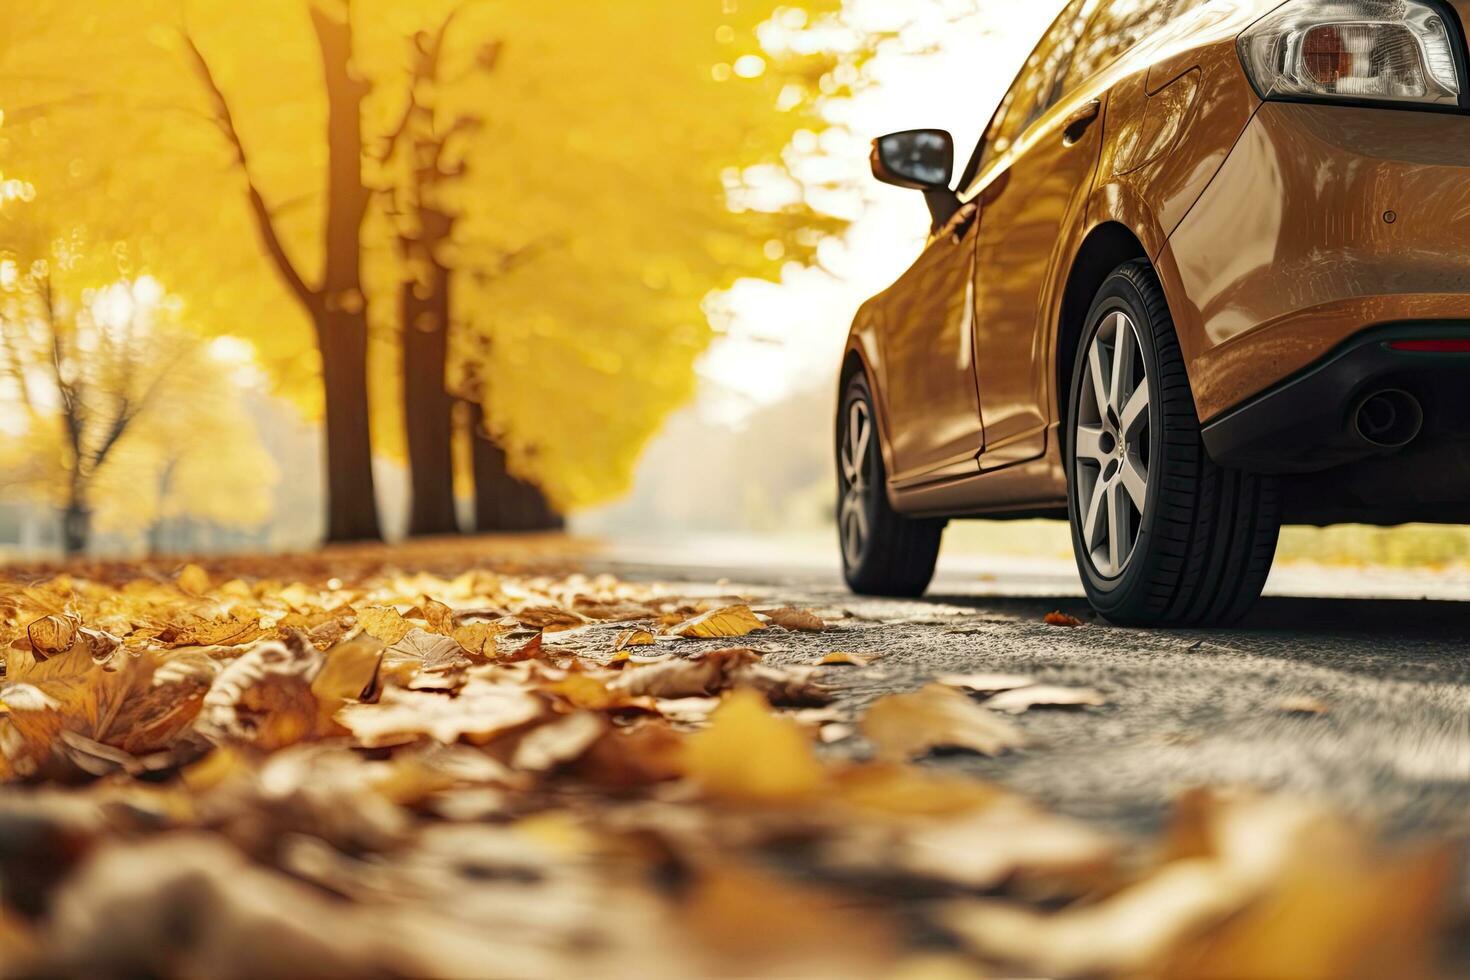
{"x":897,"y":553}
{"x":1206,"y":535}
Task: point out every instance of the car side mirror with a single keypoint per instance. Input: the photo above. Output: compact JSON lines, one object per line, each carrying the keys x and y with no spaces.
{"x":921,"y":159}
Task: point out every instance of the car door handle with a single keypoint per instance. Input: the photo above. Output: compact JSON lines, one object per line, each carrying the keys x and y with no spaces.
{"x":1078,"y":122}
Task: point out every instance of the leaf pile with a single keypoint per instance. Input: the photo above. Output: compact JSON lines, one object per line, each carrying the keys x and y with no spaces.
{"x":313,"y":768}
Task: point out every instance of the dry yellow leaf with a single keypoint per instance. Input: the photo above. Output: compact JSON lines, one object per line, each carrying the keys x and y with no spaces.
{"x":51,"y":635}
{"x":1020,"y":699}
{"x":750,"y":753}
{"x":1301,"y":704}
{"x":985,"y":683}
{"x":264,"y":698}
{"x":481,"y":711}
{"x":686,"y":677}
{"x":729,"y":621}
{"x":193,"y":580}
{"x":903,"y":726}
{"x":349,"y":672}
{"x":634,"y":638}
{"x":796,"y":620}
{"x":384,"y":623}
{"x":842,"y":658}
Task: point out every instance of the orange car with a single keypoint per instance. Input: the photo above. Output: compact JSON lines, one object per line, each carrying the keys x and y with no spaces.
{"x":1208,"y":271}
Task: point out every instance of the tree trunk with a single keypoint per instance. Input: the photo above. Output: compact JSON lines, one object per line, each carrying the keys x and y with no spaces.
{"x":341,"y":318}
{"x":352,"y":509}
{"x":76,"y":528}
{"x":504,"y":502}
{"x":428,"y":410}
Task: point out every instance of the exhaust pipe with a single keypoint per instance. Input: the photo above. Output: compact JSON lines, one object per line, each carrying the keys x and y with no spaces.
{"x":1388,"y":419}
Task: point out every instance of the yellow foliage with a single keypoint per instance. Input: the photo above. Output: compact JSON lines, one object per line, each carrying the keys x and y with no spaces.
{"x":592,"y":208}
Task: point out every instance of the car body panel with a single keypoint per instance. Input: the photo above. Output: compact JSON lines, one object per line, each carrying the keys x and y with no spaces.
{"x":1033,"y":204}
{"x":1267,"y":289}
{"x":924,"y":325}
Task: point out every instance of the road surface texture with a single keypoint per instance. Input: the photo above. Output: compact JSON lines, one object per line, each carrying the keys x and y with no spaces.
{"x":1185,"y":708}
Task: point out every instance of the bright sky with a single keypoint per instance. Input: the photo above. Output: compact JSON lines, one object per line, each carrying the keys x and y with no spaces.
{"x":946,"y":72}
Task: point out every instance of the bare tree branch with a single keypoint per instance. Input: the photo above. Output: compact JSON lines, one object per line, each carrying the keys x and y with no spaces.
{"x":264,"y":220}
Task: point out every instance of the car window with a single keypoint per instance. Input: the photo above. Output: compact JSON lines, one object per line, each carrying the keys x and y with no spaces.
{"x":1023,"y":104}
{"x":1116,"y":27}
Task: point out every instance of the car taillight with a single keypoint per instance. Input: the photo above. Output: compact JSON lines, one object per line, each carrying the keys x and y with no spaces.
{"x":1395,"y":51}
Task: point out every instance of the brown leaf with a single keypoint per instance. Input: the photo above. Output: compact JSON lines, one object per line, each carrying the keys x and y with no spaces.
{"x":903,"y":726}
{"x":696,"y":676}
{"x":796,"y":620}
{"x":264,"y":698}
{"x":153,"y":719}
{"x":425,"y":660}
{"x":1018,"y":700}
{"x":481,"y":711}
{"x":985,"y":683}
{"x":558,"y":742}
{"x":384,"y":623}
{"x":842,"y":658}
{"x":69,"y":691}
{"x":1301,"y":704}
{"x":633,"y":638}
{"x":548,"y":618}
{"x":729,"y":621}
{"x":51,"y":635}
{"x":236,"y":629}
{"x":1060,"y":618}
{"x":349,"y":672}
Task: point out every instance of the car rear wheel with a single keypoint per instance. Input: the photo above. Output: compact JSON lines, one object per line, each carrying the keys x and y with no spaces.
{"x":883,"y":552}
{"x":1162,"y":535}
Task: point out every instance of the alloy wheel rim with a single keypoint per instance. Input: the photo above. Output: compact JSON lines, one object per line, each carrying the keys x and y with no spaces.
{"x":852,"y":518}
{"x":1111,"y":445}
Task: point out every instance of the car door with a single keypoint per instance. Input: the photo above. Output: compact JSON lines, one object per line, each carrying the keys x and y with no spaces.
{"x":924,"y":323}
{"x":1033,"y":187}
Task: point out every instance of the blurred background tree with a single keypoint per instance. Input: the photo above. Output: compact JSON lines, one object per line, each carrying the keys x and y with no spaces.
{"x":114,"y":410}
{"x":487,"y":215}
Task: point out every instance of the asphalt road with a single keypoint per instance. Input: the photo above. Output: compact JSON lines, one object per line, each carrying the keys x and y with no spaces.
{"x":1184,"y":707}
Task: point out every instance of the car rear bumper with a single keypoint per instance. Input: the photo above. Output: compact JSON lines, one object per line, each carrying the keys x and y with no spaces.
{"x":1324,"y":221}
{"x":1309,"y":421}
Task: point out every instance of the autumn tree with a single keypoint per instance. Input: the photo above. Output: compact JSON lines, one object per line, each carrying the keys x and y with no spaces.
{"x":106,"y":391}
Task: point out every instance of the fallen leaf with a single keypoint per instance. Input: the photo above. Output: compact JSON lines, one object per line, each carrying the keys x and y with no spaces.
{"x":51,"y":635}
{"x":729,"y":621}
{"x":697,"y":676}
{"x":349,"y":672}
{"x":841,"y":658}
{"x":794,"y":619}
{"x":1302,"y":705}
{"x":985,"y":683}
{"x":633,"y":638}
{"x":559,"y":741}
{"x":549,"y":618}
{"x":750,"y":753}
{"x":384,"y":623}
{"x":1060,"y":618}
{"x":193,"y":580}
{"x":264,"y":698}
{"x":479,"y":712}
{"x":1018,"y":700}
{"x":42,"y":697}
{"x":903,"y":726}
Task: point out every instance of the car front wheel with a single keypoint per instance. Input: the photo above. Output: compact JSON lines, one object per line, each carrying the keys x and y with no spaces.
{"x":1162,"y":535}
{"x":884,"y":553}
